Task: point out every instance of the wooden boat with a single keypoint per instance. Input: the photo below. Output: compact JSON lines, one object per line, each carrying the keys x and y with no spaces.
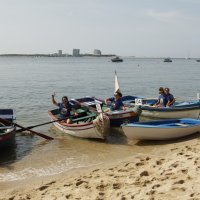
{"x":161,"y":129}
{"x":7,"y":132}
{"x":117,"y":59}
{"x":117,"y":117}
{"x":88,"y":124}
{"x":180,"y":109}
{"x":167,"y":60}
{"x":184,"y":109}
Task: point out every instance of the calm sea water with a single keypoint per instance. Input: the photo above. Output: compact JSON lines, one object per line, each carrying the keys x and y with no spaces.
{"x":27,"y":84}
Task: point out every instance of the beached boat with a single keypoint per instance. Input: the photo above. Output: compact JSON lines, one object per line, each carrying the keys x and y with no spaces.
{"x":87,"y":124}
{"x":117,"y":117}
{"x":117,"y":59}
{"x":161,"y":129}
{"x":167,"y":60}
{"x":7,"y":131}
{"x":180,"y":109}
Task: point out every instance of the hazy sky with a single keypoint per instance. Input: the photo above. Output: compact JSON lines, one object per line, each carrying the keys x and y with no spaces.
{"x":123,"y":27}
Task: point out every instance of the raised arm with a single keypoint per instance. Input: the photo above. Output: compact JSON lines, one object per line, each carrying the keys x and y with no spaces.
{"x":53,"y":100}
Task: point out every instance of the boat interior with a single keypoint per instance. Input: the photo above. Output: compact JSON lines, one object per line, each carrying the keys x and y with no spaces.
{"x":84,"y":115}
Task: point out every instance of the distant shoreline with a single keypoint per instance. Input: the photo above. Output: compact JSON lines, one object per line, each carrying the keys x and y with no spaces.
{"x":85,"y":55}
{"x":51,"y":55}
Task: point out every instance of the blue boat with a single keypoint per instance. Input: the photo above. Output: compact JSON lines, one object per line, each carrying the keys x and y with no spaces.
{"x":117,"y":117}
{"x":161,"y":129}
{"x":7,"y":131}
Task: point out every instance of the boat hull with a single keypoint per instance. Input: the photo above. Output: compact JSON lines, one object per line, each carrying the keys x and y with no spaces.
{"x":83,"y":130}
{"x":117,"y":118}
{"x":180,"y":110}
{"x":7,"y":133}
{"x":8,"y":139}
{"x":87,"y":131}
{"x":161,"y":130}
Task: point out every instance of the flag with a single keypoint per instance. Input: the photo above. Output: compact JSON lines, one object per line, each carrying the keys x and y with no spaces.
{"x":116,"y":84}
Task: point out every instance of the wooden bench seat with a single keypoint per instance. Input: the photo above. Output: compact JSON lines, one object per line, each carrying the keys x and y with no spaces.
{"x":83,"y":118}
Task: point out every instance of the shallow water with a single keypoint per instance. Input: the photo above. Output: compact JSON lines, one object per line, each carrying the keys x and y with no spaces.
{"x":27,"y":85}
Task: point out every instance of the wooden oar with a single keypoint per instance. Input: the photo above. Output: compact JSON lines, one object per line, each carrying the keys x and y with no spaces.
{"x":45,"y":123}
{"x":25,"y":128}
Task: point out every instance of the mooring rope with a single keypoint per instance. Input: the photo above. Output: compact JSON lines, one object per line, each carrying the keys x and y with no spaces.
{"x":102,"y":124}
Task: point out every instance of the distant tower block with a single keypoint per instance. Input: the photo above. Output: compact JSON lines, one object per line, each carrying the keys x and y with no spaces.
{"x":76,"y":52}
{"x":97,"y":52}
{"x":59,"y":52}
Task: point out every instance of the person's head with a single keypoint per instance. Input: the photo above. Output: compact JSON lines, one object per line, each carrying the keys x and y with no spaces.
{"x":161,"y":90}
{"x":167,"y":90}
{"x":117,"y":95}
{"x":65,"y":99}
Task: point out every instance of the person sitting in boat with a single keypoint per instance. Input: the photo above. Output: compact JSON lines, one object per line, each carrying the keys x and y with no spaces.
{"x":162,"y":98}
{"x":64,"y":108}
{"x":114,"y":103}
{"x":170,"y":98}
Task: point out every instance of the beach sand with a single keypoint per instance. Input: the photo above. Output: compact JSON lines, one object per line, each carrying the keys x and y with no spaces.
{"x":171,"y":172}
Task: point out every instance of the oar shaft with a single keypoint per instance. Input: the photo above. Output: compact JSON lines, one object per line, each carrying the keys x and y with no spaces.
{"x":34,"y":132}
{"x":45,"y":123}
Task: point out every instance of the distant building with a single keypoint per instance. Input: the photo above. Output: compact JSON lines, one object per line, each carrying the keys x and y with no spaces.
{"x":59,"y":52}
{"x":76,"y":52}
{"x":97,"y":52}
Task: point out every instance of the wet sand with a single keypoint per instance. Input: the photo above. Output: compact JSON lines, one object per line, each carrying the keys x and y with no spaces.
{"x":170,"y":173}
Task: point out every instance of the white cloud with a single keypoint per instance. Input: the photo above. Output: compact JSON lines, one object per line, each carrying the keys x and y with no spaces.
{"x":165,"y":16}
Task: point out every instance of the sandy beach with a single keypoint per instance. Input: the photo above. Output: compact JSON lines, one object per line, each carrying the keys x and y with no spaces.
{"x":170,"y":173}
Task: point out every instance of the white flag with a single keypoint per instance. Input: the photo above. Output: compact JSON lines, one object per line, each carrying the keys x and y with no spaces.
{"x":116,"y":84}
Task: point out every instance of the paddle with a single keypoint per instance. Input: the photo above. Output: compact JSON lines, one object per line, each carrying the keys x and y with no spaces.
{"x":25,"y":128}
{"x":45,"y":123}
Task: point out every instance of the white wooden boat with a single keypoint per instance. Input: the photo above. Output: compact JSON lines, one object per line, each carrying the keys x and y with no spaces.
{"x":87,"y":125}
{"x":180,"y":109}
{"x":161,"y":129}
{"x":190,"y":109}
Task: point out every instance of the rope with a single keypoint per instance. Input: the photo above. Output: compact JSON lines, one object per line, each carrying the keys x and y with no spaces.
{"x":102,"y":124}
{"x":137,"y":109}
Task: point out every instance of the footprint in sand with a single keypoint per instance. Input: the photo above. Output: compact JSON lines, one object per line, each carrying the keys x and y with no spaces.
{"x":80,"y":182}
{"x":43,"y":187}
{"x":175,"y":164}
{"x":179,"y":182}
{"x":160,"y":162}
{"x":46,"y":186}
{"x":101,"y":187}
{"x":156,"y":186}
{"x":139,"y":164}
{"x":116,"y":186}
{"x":144,"y":173}
{"x":184,"y":171}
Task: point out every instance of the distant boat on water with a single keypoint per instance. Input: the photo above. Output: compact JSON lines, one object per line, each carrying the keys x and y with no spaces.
{"x":117,"y":59}
{"x":198,"y":60}
{"x":167,"y":60}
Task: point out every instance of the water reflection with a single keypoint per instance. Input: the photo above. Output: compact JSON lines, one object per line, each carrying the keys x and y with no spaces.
{"x":22,"y":146}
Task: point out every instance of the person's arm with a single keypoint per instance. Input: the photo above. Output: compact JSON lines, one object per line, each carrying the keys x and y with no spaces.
{"x":53,"y":100}
{"x":157,"y":103}
{"x":171,"y":102}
